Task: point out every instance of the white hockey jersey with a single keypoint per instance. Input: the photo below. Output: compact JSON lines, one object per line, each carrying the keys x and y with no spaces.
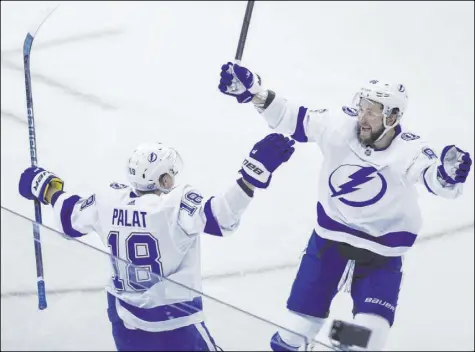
{"x":367,"y":197}
{"x":157,"y":243}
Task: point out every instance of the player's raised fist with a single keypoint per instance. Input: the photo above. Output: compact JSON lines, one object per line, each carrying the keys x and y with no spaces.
{"x":265,"y":157}
{"x":454,"y":165}
{"x":239,"y":82}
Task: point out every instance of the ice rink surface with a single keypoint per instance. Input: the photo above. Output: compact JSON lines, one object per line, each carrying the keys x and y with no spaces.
{"x":109,"y":75}
{"x":435,"y":310}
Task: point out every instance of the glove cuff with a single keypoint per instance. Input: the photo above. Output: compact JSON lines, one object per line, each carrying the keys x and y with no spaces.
{"x":256,"y":87}
{"x":244,"y":187}
{"x":57,"y":183}
{"x":255,"y":182}
{"x":42,"y":182}
{"x":254,"y":172}
{"x":444,"y":176}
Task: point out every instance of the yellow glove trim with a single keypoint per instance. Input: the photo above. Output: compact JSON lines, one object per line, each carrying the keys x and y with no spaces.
{"x":55,"y":183}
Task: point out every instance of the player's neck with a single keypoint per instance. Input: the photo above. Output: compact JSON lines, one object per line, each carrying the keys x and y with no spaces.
{"x":386,"y":140}
{"x":141,"y":193}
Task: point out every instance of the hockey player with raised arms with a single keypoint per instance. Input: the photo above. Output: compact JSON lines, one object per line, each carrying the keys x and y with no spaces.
{"x":154,"y":224}
{"x":367,"y":213}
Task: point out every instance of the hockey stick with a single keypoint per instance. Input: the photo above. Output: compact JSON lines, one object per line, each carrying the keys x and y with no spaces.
{"x":244,"y":29}
{"x":27,"y":45}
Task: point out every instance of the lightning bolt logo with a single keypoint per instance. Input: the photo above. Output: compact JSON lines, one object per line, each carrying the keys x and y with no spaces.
{"x":358,"y":178}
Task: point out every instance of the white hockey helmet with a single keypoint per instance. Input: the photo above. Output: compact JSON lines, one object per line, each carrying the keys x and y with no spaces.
{"x":149,"y":162}
{"x":389,"y":95}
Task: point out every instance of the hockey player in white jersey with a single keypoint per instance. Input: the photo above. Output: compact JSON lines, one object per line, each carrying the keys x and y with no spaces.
{"x":152,"y":226}
{"x":367,"y":213}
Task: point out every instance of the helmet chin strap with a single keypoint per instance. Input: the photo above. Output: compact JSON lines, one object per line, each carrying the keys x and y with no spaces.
{"x":387,"y":128}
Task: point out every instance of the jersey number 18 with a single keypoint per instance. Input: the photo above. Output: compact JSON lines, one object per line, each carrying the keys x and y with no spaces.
{"x":143,"y":269}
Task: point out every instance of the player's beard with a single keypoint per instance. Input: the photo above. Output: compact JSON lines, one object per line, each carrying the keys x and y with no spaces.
{"x":368,"y":141}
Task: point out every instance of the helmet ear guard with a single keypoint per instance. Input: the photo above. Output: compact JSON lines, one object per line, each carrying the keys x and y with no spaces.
{"x":149,"y":162}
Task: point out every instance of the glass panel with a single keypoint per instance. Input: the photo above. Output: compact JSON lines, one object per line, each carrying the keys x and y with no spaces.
{"x":76,"y":316}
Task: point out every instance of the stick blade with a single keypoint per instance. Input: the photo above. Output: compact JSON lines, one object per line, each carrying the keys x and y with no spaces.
{"x":44,"y":15}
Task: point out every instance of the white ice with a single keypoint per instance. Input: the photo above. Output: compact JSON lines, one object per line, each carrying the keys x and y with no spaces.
{"x":109,"y":75}
{"x":435,"y":310}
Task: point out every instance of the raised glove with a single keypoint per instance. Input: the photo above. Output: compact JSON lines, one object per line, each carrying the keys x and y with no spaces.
{"x":239,"y":82}
{"x":454,"y":165}
{"x":266,"y":156}
{"x":35,"y":181}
